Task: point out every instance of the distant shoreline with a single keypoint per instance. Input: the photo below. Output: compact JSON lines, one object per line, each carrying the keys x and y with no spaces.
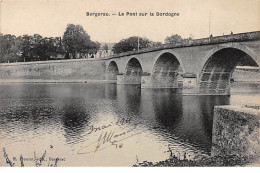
{"x":54,"y":81}
{"x":87,"y":81}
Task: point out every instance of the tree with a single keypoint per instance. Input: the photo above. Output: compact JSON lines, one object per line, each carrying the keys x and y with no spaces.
{"x":131,"y":44}
{"x":90,"y":48}
{"x":9,"y":48}
{"x":173,"y":39}
{"x":48,"y":48}
{"x":156,"y":44}
{"x":26,"y":47}
{"x":105,"y":47}
{"x":76,"y":41}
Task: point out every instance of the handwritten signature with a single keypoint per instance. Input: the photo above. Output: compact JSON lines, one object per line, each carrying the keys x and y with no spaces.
{"x":119,"y":122}
{"x":108,"y":139}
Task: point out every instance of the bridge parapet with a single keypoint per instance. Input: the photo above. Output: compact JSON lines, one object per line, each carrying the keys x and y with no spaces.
{"x":248,"y":36}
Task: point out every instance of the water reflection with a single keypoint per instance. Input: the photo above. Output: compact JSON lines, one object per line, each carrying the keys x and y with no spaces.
{"x":186,"y":118}
{"x":63,"y":113}
{"x":74,"y":118}
{"x":168,"y":107}
{"x":129,"y":99}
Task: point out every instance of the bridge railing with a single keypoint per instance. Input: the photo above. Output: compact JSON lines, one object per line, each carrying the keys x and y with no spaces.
{"x":249,"y":36}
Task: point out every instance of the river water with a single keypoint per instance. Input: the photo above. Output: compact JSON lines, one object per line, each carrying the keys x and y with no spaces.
{"x":66,"y":121}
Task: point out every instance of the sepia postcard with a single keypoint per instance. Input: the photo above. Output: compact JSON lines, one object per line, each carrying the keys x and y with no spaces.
{"x":129,"y":83}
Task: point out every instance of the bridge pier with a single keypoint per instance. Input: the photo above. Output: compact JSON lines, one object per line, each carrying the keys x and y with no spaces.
{"x":162,"y":79}
{"x":124,"y":79}
{"x":111,"y":76}
{"x":215,"y":82}
{"x":189,"y":84}
{"x":194,"y":86}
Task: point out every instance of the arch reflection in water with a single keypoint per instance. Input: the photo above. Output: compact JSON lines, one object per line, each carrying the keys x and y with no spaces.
{"x":170,"y":115}
{"x":129,"y":99}
{"x":186,"y":118}
{"x":80,"y":109}
{"x":74,"y":119}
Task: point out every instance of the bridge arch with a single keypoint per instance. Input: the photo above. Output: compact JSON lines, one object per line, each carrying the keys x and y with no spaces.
{"x":134,"y":67}
{"x":216,"y":72}
{"x":133,"y":73}
{"x":238,"y":46}
{"x":170,"y":52}
{"x":166,"y":70}
{"x":112,"y":71}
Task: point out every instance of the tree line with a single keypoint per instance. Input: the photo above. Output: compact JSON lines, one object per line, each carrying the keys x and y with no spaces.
{"x":132,"y":43}
{"x":75,"y":43}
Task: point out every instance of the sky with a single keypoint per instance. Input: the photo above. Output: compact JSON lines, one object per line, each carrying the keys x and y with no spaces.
{"x":196,"y":17}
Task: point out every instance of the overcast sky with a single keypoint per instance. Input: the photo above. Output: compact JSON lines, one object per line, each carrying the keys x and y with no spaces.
{"x":50,"y":17}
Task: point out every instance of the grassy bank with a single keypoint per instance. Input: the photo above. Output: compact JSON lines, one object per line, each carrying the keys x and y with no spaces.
{"x":217,"y":161}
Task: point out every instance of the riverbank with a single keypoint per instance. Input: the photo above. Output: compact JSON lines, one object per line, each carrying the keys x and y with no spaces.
{"x":54,"y":81}
{"x":217,"y":161}
{"x":235,"y":140}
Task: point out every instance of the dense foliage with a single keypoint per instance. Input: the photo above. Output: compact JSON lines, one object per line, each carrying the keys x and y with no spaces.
{"x":131,"y":44}
{"x":75,"y":43}
{"x":175,"y":39}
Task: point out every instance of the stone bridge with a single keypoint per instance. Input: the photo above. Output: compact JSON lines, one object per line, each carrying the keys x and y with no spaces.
{"x":201,"y":66}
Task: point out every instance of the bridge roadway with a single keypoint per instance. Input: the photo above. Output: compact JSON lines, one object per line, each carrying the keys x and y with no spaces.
{"x":201,"y":66}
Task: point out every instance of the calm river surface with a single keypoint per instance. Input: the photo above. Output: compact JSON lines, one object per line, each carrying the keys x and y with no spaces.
{"x":66,"y":121}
